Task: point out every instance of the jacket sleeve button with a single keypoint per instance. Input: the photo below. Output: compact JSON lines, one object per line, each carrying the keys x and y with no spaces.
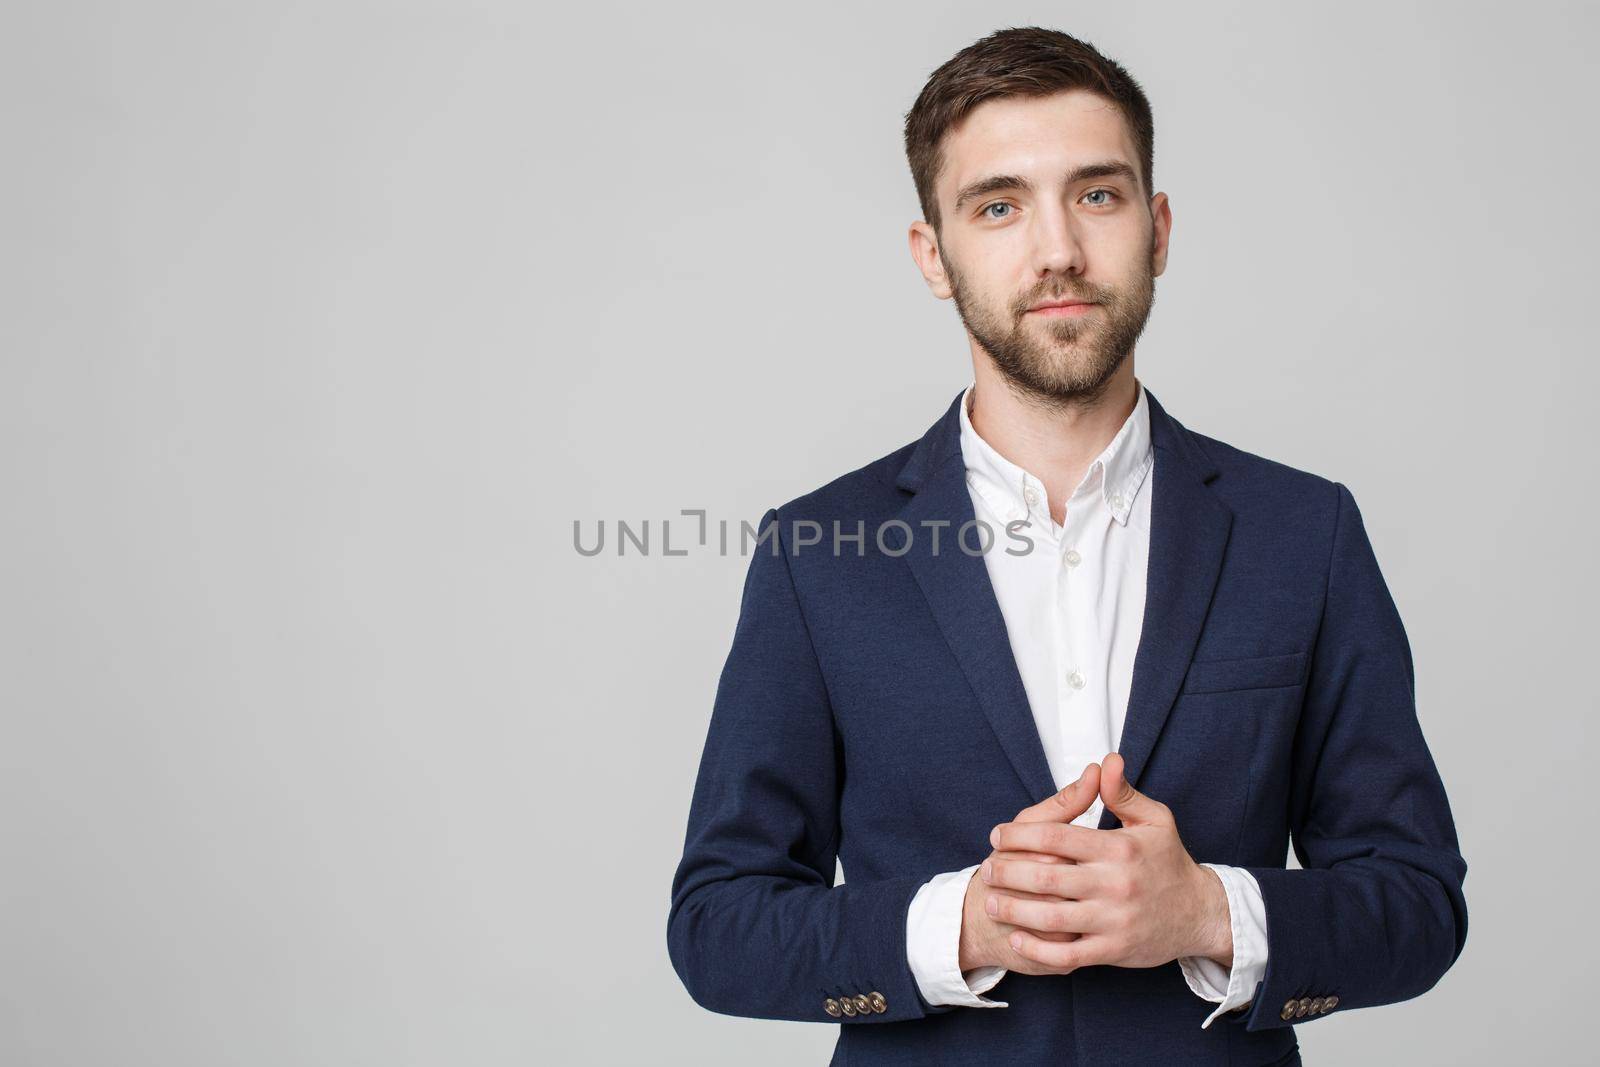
{"x":879,"y":1004}
{"x":1288,"y":1010}
{"x":831,"y":1006}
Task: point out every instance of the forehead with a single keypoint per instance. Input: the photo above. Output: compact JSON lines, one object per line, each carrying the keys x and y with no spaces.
{"x":1034,"y":136}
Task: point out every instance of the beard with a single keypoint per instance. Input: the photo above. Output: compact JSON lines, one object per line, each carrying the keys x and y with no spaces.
{"x":1057,"y":361}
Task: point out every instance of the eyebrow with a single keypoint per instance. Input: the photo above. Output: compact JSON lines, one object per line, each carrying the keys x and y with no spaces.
{"x":995,"y":183}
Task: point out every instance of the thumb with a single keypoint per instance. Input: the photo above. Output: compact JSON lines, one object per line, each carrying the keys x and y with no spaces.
{"x":1066,"y":805}
{"x":1123,"y":800}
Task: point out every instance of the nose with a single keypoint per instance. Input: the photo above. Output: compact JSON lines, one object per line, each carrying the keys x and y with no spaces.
{"x":1055,"y":242}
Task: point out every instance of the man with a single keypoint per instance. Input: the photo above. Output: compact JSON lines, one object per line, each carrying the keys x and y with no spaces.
{"x":1061,"y":763}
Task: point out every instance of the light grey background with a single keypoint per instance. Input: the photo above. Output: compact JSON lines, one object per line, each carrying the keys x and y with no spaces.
{"x":324,"y":321}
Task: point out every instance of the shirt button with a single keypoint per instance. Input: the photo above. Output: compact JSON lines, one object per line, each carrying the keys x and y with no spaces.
{"x":1075,"y":679}
{"x":1072,"y":559}
{"x":1030,"y":496}
{"x":1117,"y":502}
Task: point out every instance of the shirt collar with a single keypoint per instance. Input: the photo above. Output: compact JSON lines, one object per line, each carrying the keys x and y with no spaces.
{"x":1119,"y":471}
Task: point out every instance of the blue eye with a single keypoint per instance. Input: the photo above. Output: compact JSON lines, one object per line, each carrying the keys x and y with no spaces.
{"x":1108,"y":192}
{"x":997,"y":203}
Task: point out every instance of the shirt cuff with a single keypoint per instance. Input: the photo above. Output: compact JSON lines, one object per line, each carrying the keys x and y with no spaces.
{"x":1233,"y":987}
{"x":933,"y":945}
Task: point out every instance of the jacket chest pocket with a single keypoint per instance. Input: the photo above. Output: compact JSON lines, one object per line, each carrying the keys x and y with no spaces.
{"x":1253,"y":672}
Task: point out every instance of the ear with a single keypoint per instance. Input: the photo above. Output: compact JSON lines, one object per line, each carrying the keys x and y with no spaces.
{"x":1160,"y":233}
{"x":930,"y":261}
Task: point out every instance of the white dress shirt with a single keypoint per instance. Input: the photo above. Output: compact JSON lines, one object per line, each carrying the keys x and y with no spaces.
{"x":1074,"y":608}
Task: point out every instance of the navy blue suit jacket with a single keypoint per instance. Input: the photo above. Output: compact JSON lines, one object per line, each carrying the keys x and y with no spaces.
{"x":870,"y":710}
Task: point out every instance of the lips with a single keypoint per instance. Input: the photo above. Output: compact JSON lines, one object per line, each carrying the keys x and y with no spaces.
{"x":1062,"y":309}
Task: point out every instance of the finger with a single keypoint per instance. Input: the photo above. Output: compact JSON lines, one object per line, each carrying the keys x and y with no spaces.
{"x":1027,"y":895}
{"x":1037,"y":857}
{"x":1048,"y":916}
{"x":1069,"y":802}
{"x":1070,"y":840}
{"x":1060,"y":956}
{"x":1126,"y":802}
{"x":1070,"y":880}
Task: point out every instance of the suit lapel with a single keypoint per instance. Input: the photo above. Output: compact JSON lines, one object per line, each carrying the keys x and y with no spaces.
{"x":956,"y":584}
{"x":1189,"y":528}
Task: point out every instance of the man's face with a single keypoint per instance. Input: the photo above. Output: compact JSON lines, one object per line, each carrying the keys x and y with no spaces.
{"x":1093,"y":235}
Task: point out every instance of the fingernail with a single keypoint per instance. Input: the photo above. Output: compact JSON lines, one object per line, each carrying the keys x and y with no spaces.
{"x":1016,"y":942}
{"x":985,"y":871}
{"x":992,"y":906}
{"x":994,"y":837}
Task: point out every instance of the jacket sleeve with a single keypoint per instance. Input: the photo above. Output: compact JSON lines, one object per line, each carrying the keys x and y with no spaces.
{"x":757,"y":926}
{"x":1377,"y":914}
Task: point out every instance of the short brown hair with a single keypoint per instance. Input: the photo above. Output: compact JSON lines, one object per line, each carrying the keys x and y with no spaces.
{"x":1020,"y":61}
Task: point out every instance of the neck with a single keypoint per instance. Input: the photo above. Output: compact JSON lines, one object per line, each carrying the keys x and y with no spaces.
{"x":1055,"y":441}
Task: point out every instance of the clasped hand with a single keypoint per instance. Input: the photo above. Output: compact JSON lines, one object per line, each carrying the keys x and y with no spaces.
{"x":1054,"y":896}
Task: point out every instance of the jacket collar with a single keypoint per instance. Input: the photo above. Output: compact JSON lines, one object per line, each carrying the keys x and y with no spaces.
{"x":943,"y":440}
